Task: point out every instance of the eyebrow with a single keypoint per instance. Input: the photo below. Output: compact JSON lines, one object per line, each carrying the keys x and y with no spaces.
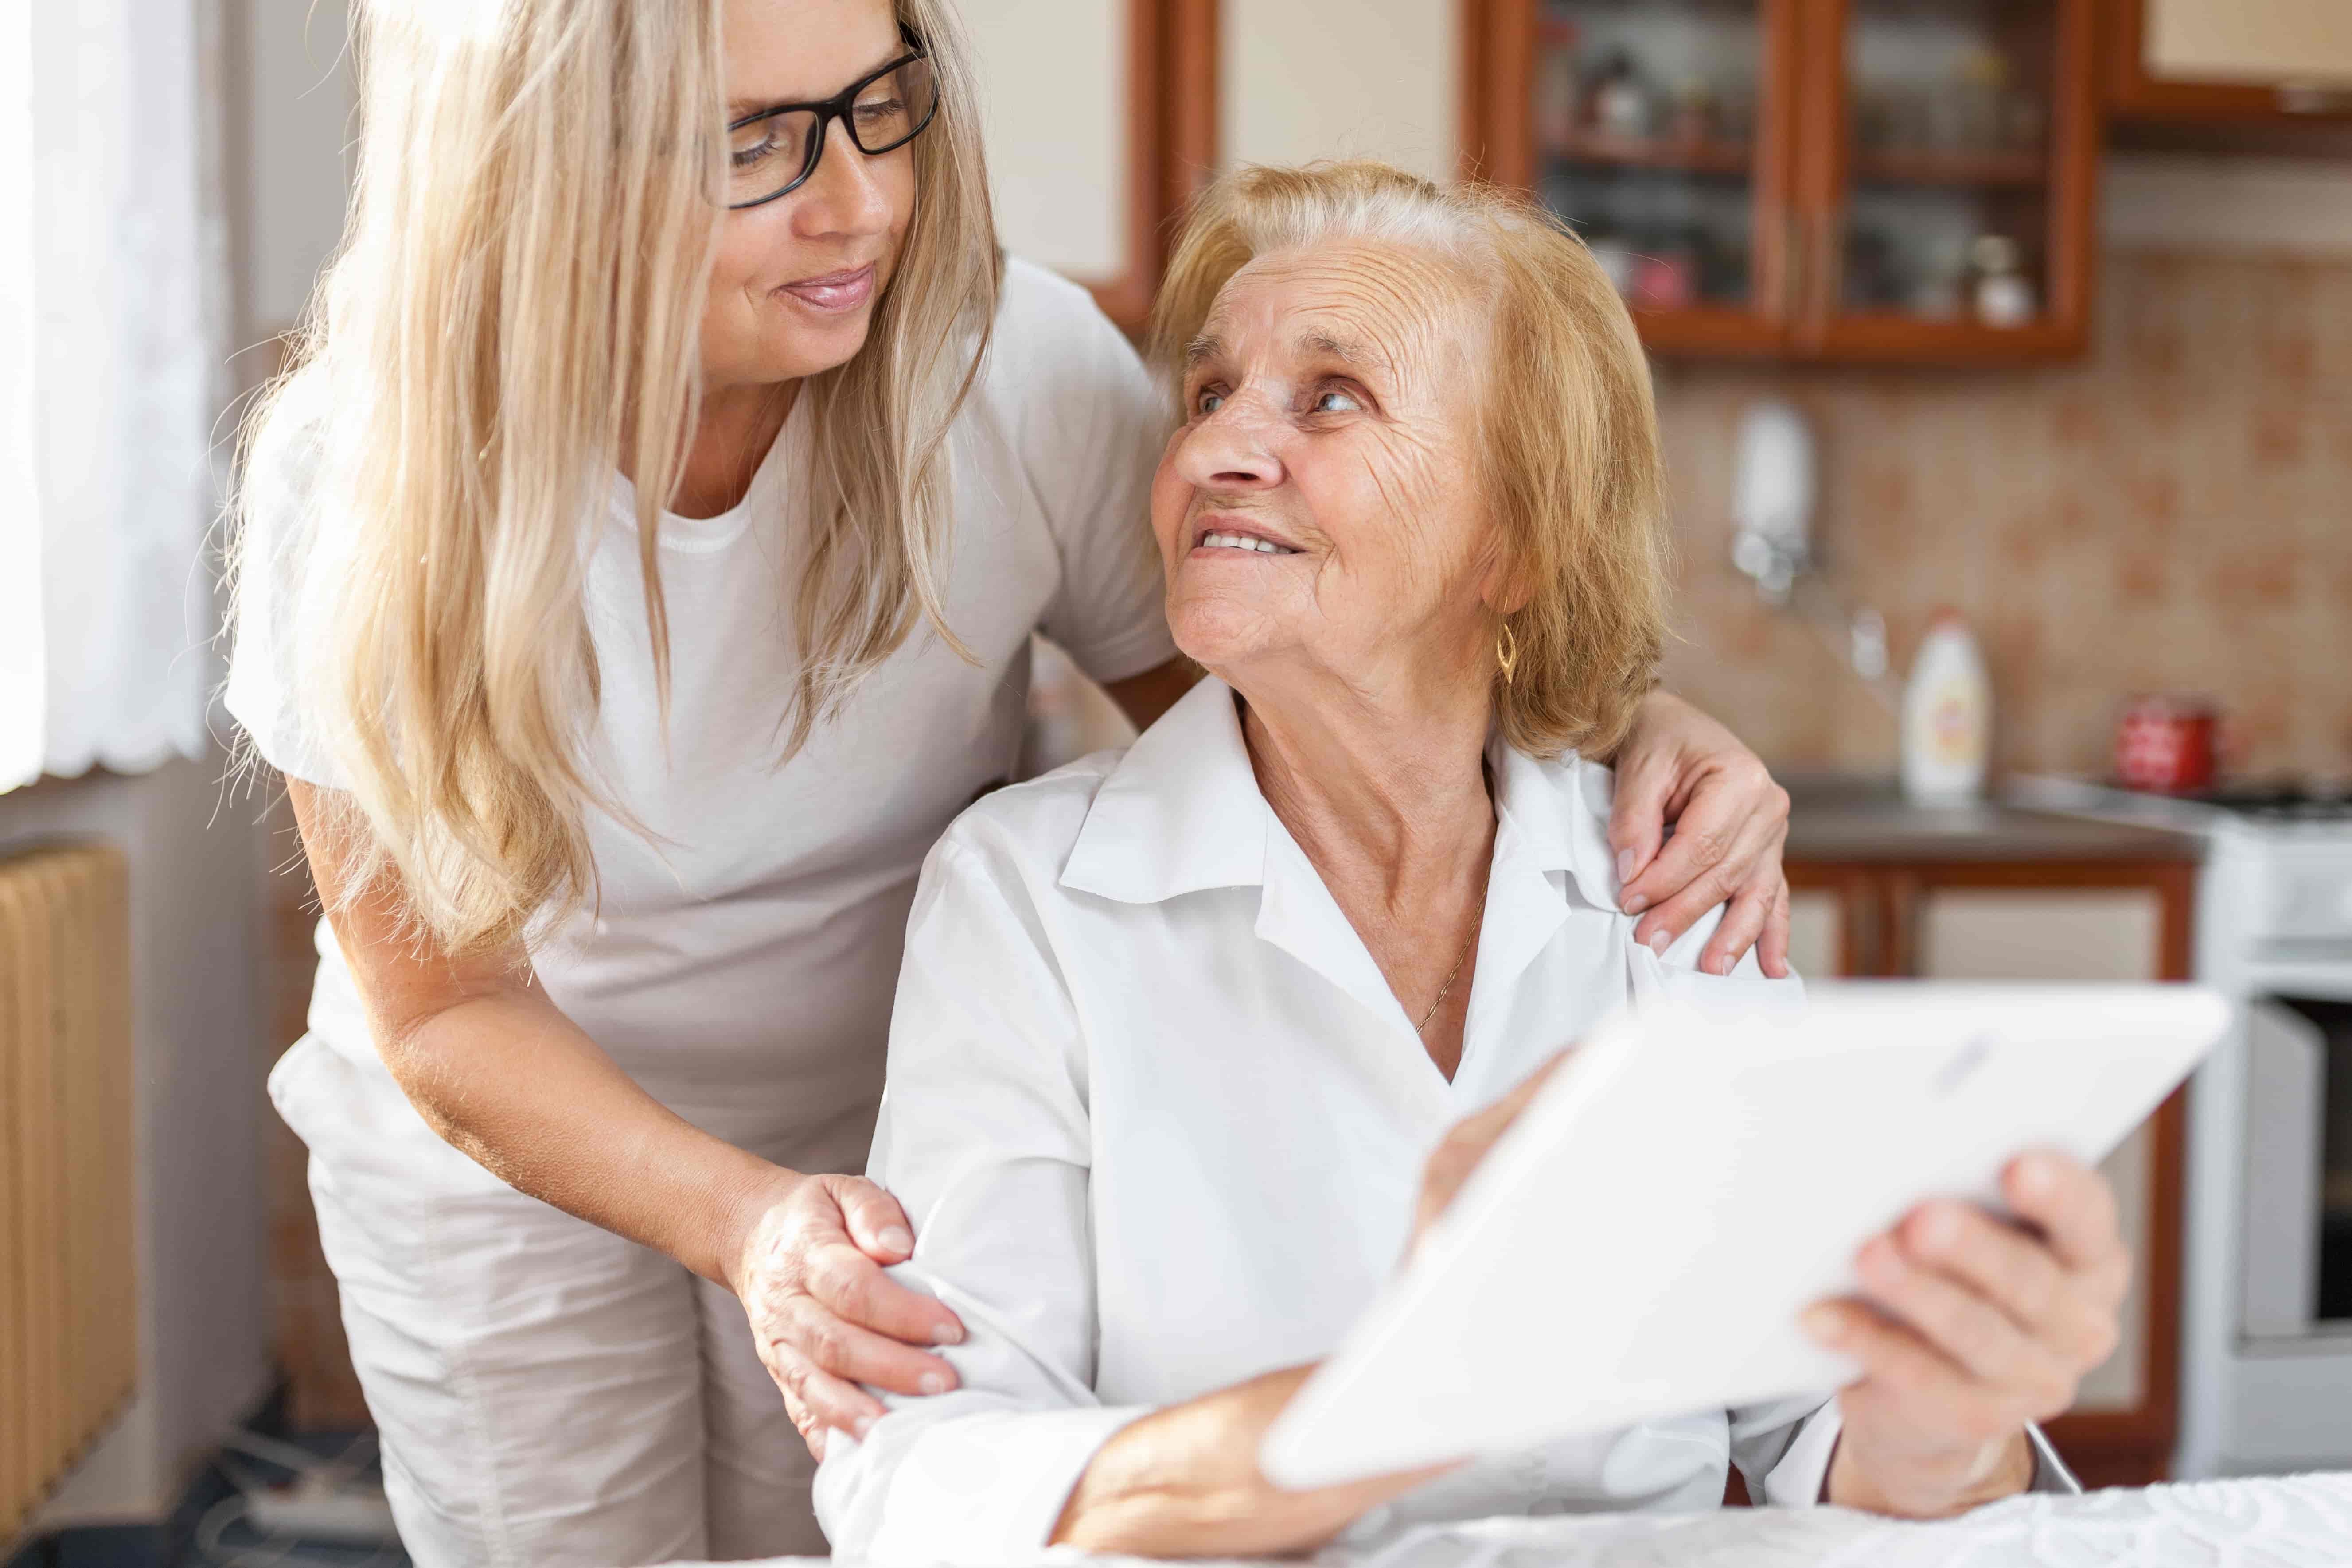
{"x":1208,"y":346}
{"x":1346,"y":350}
{"x":738,"y":108}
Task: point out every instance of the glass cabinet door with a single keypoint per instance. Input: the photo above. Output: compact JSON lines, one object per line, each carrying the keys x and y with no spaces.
{"x":1954,"y":201}
{"x":1657,"y":130}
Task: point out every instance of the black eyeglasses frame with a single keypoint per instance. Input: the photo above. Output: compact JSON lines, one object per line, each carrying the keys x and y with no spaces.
{"x":837,"y":107}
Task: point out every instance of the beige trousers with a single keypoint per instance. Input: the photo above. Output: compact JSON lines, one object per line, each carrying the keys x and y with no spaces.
{"x":548,"y":1395}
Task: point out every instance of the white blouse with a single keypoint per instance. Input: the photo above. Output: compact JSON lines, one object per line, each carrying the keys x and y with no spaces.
{"x":1160,"y":1124}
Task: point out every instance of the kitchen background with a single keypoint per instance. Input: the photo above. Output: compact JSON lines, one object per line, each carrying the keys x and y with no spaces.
{"x":2172,"y":514}
{"x":2118,"y":443}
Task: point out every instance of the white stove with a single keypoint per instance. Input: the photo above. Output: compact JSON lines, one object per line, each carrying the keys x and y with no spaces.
{"x":2266,"y":1319}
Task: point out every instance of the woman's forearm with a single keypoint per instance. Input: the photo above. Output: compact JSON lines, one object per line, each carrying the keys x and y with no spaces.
{"x":495,"y":1068}
{"x":1184,"y":1482}
{"x":508,"y":1079}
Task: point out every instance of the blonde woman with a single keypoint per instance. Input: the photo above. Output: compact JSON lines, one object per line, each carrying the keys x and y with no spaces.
{"x":1192,"y":1039}
{"x":637,"y":573}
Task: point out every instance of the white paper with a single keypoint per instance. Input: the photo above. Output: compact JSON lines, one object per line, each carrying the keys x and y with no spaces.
{"x":1641,"y":1243}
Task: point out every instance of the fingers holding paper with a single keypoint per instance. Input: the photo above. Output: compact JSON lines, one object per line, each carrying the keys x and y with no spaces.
{"x":1969,"y":1327}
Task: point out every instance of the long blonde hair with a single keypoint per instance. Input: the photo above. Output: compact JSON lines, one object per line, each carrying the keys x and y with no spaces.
{"x":1571,"y":468}
{"x":514,"y":316}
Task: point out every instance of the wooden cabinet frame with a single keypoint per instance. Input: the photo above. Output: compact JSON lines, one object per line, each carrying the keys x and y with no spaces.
{"x":1824,"y":177}
{"x":1171,"y":141}
{"x":1879,"y":912}
{"x":1801,"y":180}
{"x":2131,"y":92}
{"x":1498,"y":145}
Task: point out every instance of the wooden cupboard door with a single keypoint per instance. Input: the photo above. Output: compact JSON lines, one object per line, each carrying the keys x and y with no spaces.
{"x":1054,"y":99}
{"x":2261,"y":42}
{"x":1662,"y":130}
{"x":2082,"y":935}
{"x":1306,"y":79}
{"x":1098,"y":119}
{"x":1836,"y":921}
{"x":2253,"y":60}
{"x":1948,"y":172}
{"x":1817,"y":934}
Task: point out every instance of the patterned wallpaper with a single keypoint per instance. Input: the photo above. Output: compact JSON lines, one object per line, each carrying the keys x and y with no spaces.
{"x":2173,"y":513}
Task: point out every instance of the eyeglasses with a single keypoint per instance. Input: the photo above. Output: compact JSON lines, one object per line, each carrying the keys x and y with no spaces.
{"x":772,"y":153}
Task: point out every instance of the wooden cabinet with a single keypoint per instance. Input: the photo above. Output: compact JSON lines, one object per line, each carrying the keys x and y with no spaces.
{"x":1850,"y":180}
{"x":2249,"y":61}
{"x":1667,"y":133}
{"x":2087,"y":921}
{"x":1101,"y":96}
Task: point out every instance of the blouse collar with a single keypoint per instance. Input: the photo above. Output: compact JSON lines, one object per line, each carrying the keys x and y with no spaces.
{"x":1182,"y":813}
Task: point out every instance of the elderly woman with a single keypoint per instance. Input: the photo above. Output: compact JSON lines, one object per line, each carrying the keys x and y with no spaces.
{"x":1179,"y":1030}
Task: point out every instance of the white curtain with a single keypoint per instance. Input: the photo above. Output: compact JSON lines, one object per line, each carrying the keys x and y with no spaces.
{"x":111,"y":351}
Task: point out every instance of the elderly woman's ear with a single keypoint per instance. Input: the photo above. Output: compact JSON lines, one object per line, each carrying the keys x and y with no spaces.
{"x":1505,"y":589}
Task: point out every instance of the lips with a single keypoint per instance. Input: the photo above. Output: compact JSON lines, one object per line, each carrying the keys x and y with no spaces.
{"x":835,"y":294}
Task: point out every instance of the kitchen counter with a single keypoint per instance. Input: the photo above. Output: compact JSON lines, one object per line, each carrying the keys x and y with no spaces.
{"x":1847,"y":820}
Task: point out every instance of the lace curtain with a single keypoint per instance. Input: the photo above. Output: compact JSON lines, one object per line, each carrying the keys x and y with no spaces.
{"x":112,"y":295}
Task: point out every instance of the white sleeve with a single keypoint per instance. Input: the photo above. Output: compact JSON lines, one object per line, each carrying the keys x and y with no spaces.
{"x":1783,"y":1451}
{"x":1783,"y":1448}
{"x":277,"y":544}
{"x":1090,"y":429}
{"x":985,"y":1137}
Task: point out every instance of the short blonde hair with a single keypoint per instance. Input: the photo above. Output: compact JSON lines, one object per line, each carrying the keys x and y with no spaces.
{"x":1571,"y":467}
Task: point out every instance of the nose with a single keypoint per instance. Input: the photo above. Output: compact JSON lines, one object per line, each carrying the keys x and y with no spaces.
{"x":843,"y":196}
{"x":1232,"y":450}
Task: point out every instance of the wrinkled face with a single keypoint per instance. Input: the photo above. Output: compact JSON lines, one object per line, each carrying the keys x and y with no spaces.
{"x":794,"y":286}
{"x":1319,"y":508}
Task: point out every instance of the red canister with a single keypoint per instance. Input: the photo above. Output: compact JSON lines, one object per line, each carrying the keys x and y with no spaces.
{"x":2167,"y":744}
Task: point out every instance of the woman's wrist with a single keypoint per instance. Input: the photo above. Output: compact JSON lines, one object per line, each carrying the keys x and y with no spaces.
{"x":1917,"y":1487}
{"x":743,"y":1196}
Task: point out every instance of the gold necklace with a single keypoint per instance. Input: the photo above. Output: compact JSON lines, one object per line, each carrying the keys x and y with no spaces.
{"x":1452,"y":975}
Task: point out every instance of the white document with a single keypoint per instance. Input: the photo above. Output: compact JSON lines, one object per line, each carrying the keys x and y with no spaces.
{"x":1641,"y":1242}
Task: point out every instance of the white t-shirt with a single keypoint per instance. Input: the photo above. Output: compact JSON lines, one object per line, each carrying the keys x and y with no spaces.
{"x":741,"y":965}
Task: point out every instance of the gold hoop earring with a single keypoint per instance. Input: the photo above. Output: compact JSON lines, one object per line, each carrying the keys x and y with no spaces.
{"x":1507,"y":651}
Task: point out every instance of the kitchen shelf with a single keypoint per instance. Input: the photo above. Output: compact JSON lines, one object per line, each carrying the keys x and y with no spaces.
{"x":1654,"y":153}
{"x":2013,"y":170}
{"x":1920,"y":125}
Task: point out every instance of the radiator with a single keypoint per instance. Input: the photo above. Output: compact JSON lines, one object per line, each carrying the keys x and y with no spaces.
{"x":68,"y":1325}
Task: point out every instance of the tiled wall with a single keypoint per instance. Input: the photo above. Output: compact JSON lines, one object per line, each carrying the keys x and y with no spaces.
{"x":2173,"y":513}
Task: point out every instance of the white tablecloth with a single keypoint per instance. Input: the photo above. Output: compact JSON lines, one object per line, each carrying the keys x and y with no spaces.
{"x":2303,"y":1521}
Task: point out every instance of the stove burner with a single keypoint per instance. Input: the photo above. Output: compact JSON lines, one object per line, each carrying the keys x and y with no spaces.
{"x":2277,"y":802}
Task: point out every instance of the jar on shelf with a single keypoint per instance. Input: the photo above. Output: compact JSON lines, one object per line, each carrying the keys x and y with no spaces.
{"x":2003,"y":294}
{"x":1616,"y":103}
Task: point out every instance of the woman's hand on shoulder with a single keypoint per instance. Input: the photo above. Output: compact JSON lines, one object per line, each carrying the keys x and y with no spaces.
{"x":807,"y":1266}
{"x":1680,"y":767}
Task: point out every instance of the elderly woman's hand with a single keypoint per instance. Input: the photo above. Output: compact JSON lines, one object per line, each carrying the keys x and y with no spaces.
{"x":808,"y":1262}
{"x":1972,"y":1328}
{"x":1679,"y":766}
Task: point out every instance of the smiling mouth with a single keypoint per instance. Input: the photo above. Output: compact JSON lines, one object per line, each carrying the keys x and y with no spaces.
{"x":1240,"y":543}
{"x":836,"y":291}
